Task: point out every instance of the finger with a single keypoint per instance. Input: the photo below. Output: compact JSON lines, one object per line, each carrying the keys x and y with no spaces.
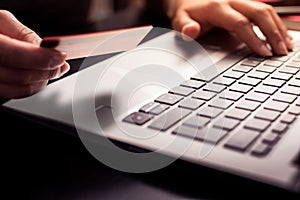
{"x":8,"y":91}
{"x":63,"y":70}
{"x":11,"y":27}
{"x":284,"y":31}
{"x":25,"y":77}
{"x":18,"y":54}
{"x":238,"y":24}
{"x":261,"y":15}
{"x":186,"y":25}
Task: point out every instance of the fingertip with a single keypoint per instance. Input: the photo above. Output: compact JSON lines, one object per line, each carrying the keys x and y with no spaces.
{"x":57,"y":59}
{"x":289,"y":43}
{"x":264,"y":51}
{"x":65,"y":68}
{"x":191,"y":31}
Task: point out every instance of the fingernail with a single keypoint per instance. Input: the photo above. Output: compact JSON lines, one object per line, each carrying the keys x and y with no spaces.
{"x":65,"y":68}
{"x":265,"y":51}
{"x":57,"y":60}
{"x":282,"y":48}
{"x":289,"y":43}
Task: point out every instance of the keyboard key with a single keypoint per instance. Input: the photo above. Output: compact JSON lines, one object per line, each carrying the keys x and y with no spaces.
{"x":261,"y":149}
{"x":258,"y":97}
{"x":226,"y":124}
{"x":298,"y":102}
{"x":281,"y":58}
{"x":242,"y":68}
{"x":159,"y":109}
{"x":182,"y":91}
{"x":287,"y":119}
{"x":265,"y":89}
{"x":257,"y":124}
{"x":206,"y":77}
{"x":169,"y":99}
{"x":210,"y":112}
{"x":242,"y":140}
{"x":271,"y":138}
{"x":294,"y":110}
{"x":209,"y":135}
{"x":220,"y":103}
{"x":240,"y":88}
{"x":297,"y":59}
{"x":224,"y":81}
{"x":149,"y":106}
{"x":293,"y":64}
{"x":233,"y":74}
{"x":276,"y":106}
{"x":204,"y":95}
{"x":230,"y":95}
{"x":266,"y":69}
{"x":294,"y":82}
{"x":286,"y":98}
{"x":191,"y":103}
{"x":291,"y":90}
{"x":280,"y":128}
{"x":256,"y":58}
{"x":137,"y":118}
{"x":193,"y":84}
{"x":249,"y":81}
{"x":288,"y":70}
{"x":197,"y":121}
{"x":248,"y":105}
{"x":281,"y":76}
{"x":258,"y":75}
{"x":214,"y":88}
{"x":251,"y":63}
{"x":169,"y":119}
{"x":267,"y":115}
{"x":274,"y":82}
{"x":238,"y":114}
{"x":273,"y":63}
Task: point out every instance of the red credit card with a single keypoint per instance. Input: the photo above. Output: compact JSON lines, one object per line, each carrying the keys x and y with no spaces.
{"x":97,"y":43}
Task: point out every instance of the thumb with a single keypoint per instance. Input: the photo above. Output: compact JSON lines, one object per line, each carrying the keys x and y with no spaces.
{"x":13,"y":28}
{"x":189,"y":28}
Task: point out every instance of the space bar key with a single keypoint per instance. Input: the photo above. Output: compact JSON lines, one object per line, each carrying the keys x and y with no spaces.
{"x":169,"y":119}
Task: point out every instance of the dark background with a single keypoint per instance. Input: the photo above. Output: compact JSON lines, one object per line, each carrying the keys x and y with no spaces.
{"x":39,"y":162}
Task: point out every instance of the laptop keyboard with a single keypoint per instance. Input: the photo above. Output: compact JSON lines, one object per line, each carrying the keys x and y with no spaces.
{"x":256,"y":98}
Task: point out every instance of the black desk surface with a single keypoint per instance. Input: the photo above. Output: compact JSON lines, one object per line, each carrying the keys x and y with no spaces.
{"x":42,"y":163}
{"x":39,"y":162}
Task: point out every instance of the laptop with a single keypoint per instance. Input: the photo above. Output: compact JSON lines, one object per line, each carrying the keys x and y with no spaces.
{"x":211,"y":102}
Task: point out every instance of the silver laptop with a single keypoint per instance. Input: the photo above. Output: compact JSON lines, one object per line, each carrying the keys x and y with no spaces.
{"x":212,"y":102}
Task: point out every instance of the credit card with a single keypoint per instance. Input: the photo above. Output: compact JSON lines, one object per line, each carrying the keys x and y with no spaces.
{"x":97,"y":43}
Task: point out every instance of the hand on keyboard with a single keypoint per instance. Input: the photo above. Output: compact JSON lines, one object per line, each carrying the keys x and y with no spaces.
{"x":194,"y":18}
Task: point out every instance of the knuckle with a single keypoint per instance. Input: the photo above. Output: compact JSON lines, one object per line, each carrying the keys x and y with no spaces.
{"x":242,"y":23}
{"x":214,"y":4}
{"x":276,"y":34}
{"x":25,"y":33}
{"x":283,"y":29}
{"x":270,"y":8}
{"x":263,"y":11}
